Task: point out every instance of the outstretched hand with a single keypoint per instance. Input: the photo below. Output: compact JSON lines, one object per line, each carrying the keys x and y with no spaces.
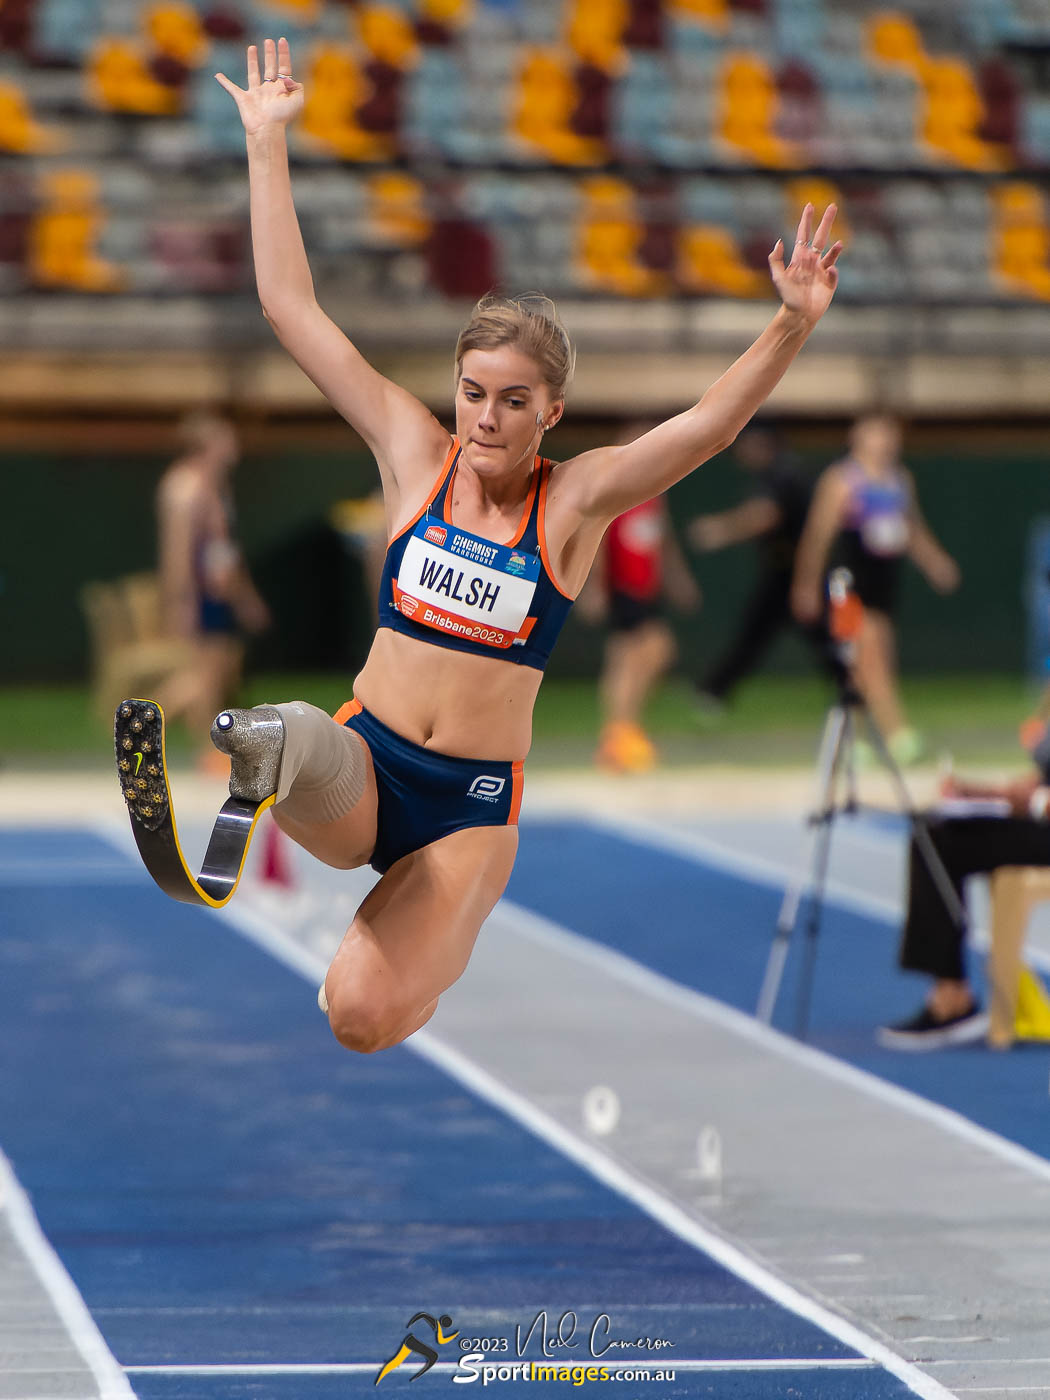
{"x":808,"y":283}
{"x":272,"y":98}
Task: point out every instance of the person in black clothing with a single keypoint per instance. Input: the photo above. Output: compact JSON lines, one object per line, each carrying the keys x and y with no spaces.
{"x":774,"y":516}
{"x":972,"y":844}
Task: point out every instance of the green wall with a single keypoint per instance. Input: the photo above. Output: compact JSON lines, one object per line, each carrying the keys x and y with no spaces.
{"x":69,"y":519}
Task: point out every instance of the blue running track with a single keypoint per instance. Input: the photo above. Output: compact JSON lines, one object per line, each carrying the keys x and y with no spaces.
{"x":227,"y":1187}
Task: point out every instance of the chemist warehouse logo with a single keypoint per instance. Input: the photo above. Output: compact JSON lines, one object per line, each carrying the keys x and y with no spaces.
{"x":493,"y":1359}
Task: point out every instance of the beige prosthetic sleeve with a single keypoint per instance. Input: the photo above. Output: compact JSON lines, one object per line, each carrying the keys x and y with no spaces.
{"x":323,"y":765}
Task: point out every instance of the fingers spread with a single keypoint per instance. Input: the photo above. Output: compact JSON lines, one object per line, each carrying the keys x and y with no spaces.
{"x":231,"y":88}
{"x":253,"y":66}
{"x":820,"y":238}
{"x":805,"y":225}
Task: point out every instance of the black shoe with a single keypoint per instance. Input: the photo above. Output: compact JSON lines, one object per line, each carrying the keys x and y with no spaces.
{"x":925,"y":1032}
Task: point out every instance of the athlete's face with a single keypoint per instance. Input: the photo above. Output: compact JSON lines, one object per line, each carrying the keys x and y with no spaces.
{"x":877,"y":440}
{"x":503,"y":407}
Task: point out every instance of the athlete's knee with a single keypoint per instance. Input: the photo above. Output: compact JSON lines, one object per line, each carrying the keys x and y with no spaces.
{"x":363,"y":1020}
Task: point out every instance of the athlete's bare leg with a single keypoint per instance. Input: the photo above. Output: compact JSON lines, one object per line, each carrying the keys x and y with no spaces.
{"x":876,"y":673}
{"x":347,"y":842}
{"x":210,"y":681}
{"x":635,"y":661}
{"x":413,"y":936}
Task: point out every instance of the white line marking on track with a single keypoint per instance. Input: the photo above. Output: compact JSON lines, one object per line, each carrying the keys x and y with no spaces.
{"x":69,"y":1305}
{"x":655,"y":984}
{"x":774,"y":874}
{"x":670,"y":1215}
{"x":666,"y":1363}
{"x":612,"y":1174}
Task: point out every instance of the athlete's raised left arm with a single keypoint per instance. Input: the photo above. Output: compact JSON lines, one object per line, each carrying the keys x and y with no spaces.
{"x":602,"y":483}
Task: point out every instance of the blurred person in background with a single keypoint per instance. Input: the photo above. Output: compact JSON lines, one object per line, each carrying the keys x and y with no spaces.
{"x":865,"y":516}
{"x":639,"y":565}
{"x":490,"y":542}
{"x":774,"y":517}
{"x":206,"y":593}
{"x":979,"y":828}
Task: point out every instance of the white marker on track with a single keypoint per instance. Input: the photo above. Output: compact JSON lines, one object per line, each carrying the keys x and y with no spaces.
{"x":601,"y":1110}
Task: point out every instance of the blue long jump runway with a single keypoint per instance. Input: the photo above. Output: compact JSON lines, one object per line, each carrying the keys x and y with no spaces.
{"x":227,"y":1187}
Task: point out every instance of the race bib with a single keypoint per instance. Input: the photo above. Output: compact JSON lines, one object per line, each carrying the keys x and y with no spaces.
{"x":886,"y":535}
{"x":466,"y":586}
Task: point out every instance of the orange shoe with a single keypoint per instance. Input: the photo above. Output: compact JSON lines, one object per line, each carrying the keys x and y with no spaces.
{"x":625,"y":748}
{"x":213,"y":764}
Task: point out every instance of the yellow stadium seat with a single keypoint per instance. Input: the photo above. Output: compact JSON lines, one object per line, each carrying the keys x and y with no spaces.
{"x":709,"y":260}
{"x":304,"y":11}
{"x":397,"y":212}
{"x":546,"y":99}
{"x":119,"y":80}
{"x":448,"y":13}
{"x":388,"y":35}
{"x":64,"y":233}
{"x":610,"y":237}
{"x":1020,"y":240}
{"x":812,"y":189}
{"x":335,"y":90}
{"x":894,"y":38}
{"x":595,"y":32}
{"x":747,"y":107}
{"x":19,"y":133}
{"x":952,"y":114}
{"x":176,"y":30}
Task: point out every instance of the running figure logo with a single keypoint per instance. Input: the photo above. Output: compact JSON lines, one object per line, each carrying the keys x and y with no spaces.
{"x":424,"y":1349}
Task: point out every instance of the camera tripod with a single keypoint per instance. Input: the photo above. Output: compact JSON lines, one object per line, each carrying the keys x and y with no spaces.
{"x":837,"y":793}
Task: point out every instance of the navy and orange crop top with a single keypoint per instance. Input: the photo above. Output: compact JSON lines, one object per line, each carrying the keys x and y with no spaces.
{"x":448,"y":587}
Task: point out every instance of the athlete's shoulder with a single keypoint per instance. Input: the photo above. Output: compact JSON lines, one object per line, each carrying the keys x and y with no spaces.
{"x":181,"y":487}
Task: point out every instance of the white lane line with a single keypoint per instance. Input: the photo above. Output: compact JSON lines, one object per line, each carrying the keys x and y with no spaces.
{"x":666,"y":1363}
{"x":761,"y":869}
{"x":705,"y":1008}
{"x":68,"y":1304}
{"x":772,"y":873}
{"x":611,"y":1173}
{"x":670,"y":1215}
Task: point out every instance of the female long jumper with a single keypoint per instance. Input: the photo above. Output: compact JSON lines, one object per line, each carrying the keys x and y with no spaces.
{"x":490,"y":543}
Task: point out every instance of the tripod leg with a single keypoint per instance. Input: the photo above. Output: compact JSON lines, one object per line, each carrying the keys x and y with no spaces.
{"x":831,"y":747}
{"x":821,"y":856}
{"x":920,"y":830}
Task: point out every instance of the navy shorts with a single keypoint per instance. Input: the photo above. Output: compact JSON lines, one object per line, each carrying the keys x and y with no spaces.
{"x":216,"y":615}
{"x":425,"y":795}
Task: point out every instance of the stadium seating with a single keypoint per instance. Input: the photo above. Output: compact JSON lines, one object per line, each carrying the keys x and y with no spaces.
{"x":931,"y":119}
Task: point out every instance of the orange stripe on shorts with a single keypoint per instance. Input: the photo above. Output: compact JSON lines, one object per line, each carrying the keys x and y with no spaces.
{"x":517,"y":787}
{"x":345,"y":712}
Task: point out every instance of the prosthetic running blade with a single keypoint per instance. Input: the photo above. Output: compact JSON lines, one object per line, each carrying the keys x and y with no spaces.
{"x":138,"y":735}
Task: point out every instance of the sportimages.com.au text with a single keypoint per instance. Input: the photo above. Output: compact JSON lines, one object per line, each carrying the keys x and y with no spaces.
{"x":483,"y":1356}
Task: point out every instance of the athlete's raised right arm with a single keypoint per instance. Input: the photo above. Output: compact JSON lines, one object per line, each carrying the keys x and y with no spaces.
{"x":404,"y":435}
